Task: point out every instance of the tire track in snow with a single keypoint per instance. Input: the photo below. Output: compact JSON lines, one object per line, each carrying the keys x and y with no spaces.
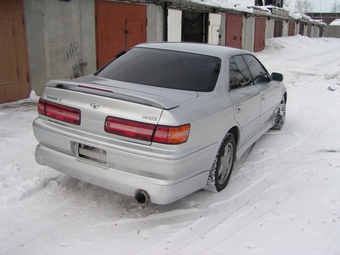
{"x":228,"y":220}
{"x":213,"y":215}
{"x":259,"y":203}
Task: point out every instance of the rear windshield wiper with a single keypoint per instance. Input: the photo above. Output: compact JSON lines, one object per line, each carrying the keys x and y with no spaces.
{"x":120,"y":54}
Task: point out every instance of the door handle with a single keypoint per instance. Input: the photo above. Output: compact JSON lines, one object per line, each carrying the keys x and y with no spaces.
{"x":238,"y":108}
{"x":263,"y":97}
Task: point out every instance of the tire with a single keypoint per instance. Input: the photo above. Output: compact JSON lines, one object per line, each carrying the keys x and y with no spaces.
{"x":223,"y":165}
{"x":281,"y":115}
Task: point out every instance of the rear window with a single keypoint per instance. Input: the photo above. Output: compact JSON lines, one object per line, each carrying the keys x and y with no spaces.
{"x":165,"y":69}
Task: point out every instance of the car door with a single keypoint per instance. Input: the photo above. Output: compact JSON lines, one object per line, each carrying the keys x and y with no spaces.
{"x":245,"y":98}
{"x":270,"y":91}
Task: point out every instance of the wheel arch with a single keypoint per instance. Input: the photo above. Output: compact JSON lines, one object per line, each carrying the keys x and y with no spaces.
{"x":212,"y":179}
{"x":235,"y":131}
{"x":285,"y":96}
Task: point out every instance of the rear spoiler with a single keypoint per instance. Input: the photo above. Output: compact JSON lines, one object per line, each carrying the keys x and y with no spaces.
{"x":114,"y":92}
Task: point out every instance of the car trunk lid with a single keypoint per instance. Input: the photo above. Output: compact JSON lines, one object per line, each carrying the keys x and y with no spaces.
{"x":98,"y":100}
{"x":140,"y":94}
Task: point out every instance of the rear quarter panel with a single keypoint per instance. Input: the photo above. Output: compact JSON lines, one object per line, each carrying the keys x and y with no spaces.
{"x":210,"y":116}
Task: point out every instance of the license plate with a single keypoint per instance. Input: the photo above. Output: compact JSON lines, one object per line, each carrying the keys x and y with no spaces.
{"x":92,"y":153}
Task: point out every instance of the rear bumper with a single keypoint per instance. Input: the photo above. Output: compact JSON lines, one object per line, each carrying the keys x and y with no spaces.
{"x":160,"y":191}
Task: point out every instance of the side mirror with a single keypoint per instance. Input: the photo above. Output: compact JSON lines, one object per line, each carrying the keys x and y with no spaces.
{"x":276,"y":77}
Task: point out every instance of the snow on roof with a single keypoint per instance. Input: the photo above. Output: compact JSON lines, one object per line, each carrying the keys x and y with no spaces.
{"x":243,"y":7}
{"x":335,"y":22}
{"x":224,"y":4}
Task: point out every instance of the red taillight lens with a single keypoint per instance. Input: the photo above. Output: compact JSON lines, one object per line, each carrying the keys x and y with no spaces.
{"x":128,"y":128}
{"x":172,"y":135}
{"x":59,"y":112}
{"x":41,"y":106}
{"x":63,"y":113}
{"x":147,"y":132}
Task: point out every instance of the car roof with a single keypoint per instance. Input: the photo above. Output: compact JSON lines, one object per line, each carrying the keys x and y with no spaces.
{"x":198,"y":48}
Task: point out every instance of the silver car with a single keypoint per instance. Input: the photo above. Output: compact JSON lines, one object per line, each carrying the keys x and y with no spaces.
{"x":161,"y":121}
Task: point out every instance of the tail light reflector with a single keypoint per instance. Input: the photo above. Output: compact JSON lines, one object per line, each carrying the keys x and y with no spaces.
{"x":59,"y":112}
{"x":147,"y":132}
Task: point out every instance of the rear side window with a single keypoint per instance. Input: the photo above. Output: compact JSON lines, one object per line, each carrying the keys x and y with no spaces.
{"x":165,"y":68}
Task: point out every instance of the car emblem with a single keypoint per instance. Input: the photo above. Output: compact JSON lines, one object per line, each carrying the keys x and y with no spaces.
{"x":95,"y":105}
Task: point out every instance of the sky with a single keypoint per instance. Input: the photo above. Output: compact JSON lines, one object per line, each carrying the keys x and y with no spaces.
{"x":326,"y":5}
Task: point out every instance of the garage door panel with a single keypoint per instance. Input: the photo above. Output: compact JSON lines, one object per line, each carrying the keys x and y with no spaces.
{"x":14,"y":68}
{"x":174,"y":25}
{"x":119,"y":26}
{"x":234,"y":24}
{"x":8,"y":59}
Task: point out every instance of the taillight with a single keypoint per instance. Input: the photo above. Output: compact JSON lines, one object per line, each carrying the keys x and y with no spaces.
{"x":59,"y":112}
{"x":41,"y":106}
{"x":128,"y":128}
{"x":147,"y":132}
{"x":172,"y":135}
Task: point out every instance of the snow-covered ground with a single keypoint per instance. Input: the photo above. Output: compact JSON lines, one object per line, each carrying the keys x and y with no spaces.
{"x":283,"y":197}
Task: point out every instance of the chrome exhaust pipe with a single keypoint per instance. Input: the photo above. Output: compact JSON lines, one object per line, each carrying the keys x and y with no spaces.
{"x":142,"y":196}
